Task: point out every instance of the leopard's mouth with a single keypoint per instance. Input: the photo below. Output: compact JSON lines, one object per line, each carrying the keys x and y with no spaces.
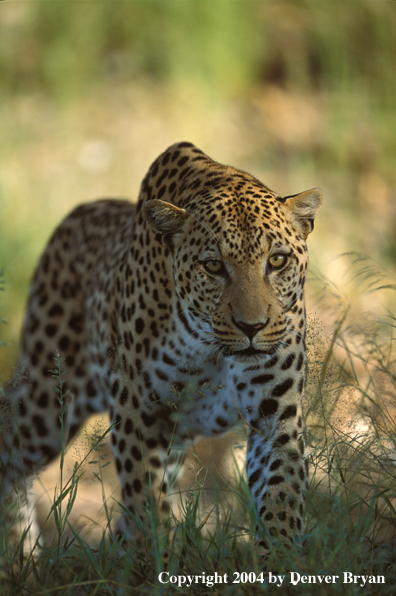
{"x":251,"y":352}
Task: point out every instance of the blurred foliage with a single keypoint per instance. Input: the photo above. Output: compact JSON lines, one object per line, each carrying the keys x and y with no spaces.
{"x":230,"y":44}
{"x":159,"y":38}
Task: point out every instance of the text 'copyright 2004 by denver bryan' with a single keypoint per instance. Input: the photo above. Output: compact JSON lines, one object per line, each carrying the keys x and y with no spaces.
{"x":293,"y":578}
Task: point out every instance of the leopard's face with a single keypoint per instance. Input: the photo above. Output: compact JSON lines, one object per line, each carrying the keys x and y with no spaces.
{"x":233,"y":285}
{"x":239,"y":263}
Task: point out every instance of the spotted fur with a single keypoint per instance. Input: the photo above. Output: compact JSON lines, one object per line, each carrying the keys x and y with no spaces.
{"x":201,"y":283}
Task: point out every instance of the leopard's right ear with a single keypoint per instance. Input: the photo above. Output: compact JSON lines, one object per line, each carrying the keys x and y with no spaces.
{"x":165,"y":218}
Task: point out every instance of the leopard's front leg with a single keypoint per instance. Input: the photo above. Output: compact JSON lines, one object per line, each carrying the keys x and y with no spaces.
{"x":271,"y":403}
{"x":141,"y":452}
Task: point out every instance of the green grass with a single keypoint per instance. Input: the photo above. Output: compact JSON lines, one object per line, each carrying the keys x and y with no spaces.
{"x":350,"y":513}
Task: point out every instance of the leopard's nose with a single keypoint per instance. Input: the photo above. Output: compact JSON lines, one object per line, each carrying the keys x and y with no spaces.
{"x":249,"y":330}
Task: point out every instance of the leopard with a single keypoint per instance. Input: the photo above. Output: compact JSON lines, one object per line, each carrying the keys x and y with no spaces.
{"x":182,"y":316}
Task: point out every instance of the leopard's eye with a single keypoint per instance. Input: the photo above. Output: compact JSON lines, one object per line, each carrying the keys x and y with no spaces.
{"x":278,"y":261}
{"x":214,"y":266}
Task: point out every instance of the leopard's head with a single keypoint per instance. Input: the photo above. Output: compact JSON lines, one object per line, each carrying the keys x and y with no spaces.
{"x":239,"y":257}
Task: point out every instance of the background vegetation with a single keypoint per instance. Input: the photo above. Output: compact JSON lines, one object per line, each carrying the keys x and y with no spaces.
{"x":299,"y":93}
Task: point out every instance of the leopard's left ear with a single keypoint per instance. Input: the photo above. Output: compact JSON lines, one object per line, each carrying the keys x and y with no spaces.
{"x":304,"y":208}
{"x":165,"y":218}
